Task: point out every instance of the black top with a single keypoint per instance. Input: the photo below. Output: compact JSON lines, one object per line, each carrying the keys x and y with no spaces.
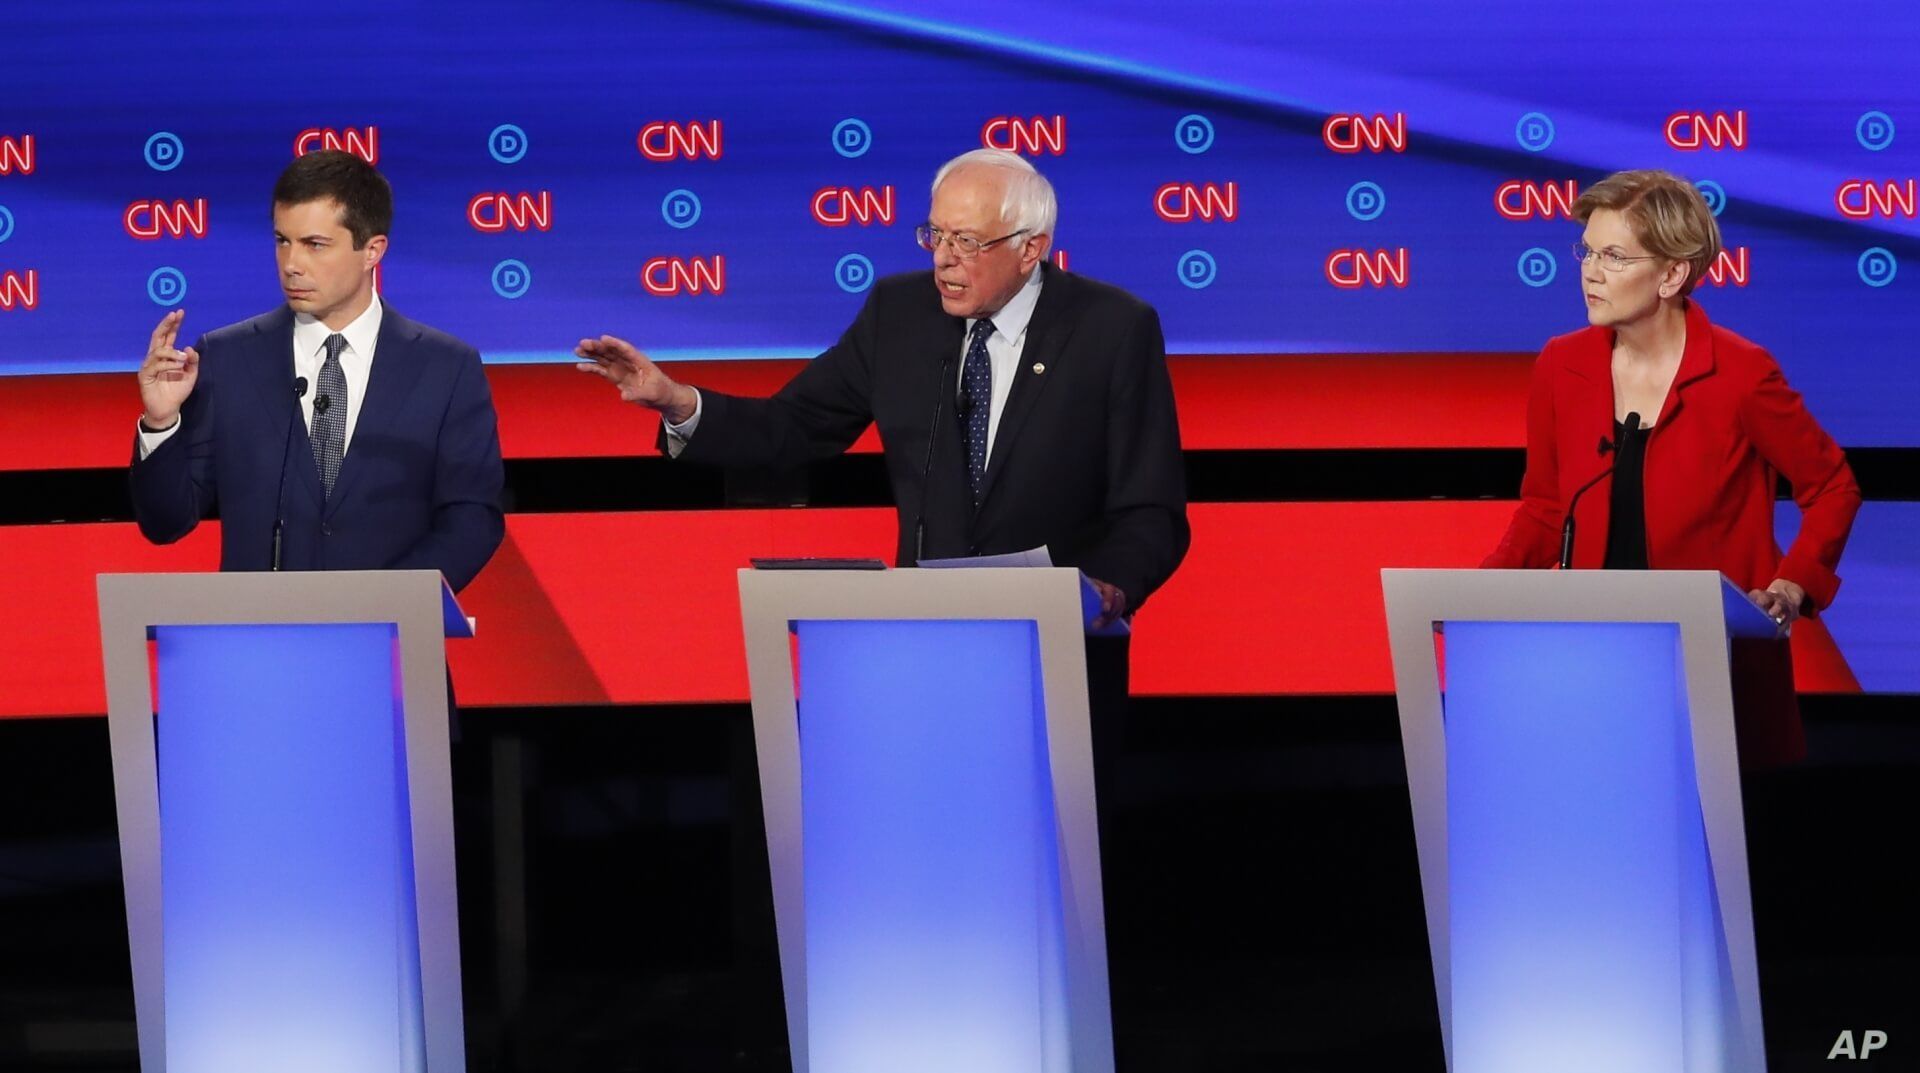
{"x":1627,"y":528}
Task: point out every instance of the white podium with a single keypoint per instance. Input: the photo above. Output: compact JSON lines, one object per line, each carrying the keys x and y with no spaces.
{"x":927,"y":778}
{"x":286,"y":821}
{"x":1576,"y":800}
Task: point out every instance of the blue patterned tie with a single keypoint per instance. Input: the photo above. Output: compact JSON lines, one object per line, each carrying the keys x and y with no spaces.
{"x":330,"y":416}
{"x":978,"y":378}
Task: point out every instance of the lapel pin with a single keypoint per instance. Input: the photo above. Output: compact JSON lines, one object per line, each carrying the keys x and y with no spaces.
{"x":1039,"y":367}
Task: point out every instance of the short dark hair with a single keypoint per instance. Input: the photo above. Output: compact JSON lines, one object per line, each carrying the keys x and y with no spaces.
{"x":366,"y":201}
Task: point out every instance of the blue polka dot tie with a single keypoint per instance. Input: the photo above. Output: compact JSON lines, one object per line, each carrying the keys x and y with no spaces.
{"x":330,"y":414}
{"x":978,"y":378}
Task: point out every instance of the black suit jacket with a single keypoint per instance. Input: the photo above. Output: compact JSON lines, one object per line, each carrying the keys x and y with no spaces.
{"x":1086,"y":459}
{"x":419,"y":487}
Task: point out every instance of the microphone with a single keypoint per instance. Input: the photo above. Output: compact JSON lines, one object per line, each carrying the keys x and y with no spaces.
{"x":286,"y":448}
{"x":1606,"y":446}
{"x":963,"y":403}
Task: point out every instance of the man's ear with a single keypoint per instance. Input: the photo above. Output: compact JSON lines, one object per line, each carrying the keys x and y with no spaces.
{"x":1034,"y":250}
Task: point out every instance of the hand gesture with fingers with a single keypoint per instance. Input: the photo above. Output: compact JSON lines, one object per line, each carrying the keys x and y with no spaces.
{"x":638,"y":378}
{"x":167,"y":375}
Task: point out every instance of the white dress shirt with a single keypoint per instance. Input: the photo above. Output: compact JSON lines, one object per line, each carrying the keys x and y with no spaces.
{"x":309,"y":352}
{"x":1004,"y":346}
{"x":1009,"y":338}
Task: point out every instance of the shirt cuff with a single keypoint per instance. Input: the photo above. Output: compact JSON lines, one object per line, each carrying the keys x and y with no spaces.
{"x":678,"y":435}
{"x":150,"y":441}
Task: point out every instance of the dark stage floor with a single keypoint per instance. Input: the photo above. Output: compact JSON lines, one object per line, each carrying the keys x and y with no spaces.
{"x":1264,"y":903}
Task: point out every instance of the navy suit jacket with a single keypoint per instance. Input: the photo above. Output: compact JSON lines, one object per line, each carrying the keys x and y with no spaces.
{"x":419,"y":487}
{"x":1086,"y":459}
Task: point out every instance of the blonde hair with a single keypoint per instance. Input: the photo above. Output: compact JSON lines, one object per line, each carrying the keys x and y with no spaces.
{"x":1667,"y":214}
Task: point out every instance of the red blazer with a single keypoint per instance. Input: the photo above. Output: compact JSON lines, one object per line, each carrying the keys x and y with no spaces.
{"x":1729,"y":427}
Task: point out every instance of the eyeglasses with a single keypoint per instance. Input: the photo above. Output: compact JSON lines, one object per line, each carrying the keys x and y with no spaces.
{"x":1611,"y":260}
{"x":965,"y":247}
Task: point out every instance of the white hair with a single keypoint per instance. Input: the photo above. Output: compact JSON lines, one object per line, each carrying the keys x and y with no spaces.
{"x":1028,"y":204}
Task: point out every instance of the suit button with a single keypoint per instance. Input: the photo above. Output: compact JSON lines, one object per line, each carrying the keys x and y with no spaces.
{"x":326,"y":530}
{"x":973,"y":549}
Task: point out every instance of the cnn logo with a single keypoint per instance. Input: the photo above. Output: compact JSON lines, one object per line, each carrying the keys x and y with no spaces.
{"x":363,"y":142}
{"x":669,"y":277}
{"x":663,"y":141}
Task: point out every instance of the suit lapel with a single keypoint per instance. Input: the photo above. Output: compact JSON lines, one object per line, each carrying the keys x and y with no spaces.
{"x":389,"y":382}
{"x":1591,"y":368}
{"x":1047,"y":334}
{"x":1696,"y":362}
{"x":269,"y":364}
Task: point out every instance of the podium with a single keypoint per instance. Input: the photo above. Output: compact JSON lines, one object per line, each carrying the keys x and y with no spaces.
{"x":1575,"y":783}
{"x":286,"y":825}
{"x":927,"y":778}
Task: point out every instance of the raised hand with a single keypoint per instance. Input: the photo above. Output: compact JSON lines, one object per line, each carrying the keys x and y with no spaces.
{"x":638,"y":378}
{"x":167,"y":375}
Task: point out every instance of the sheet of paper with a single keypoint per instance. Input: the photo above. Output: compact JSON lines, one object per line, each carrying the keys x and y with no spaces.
{"x":1031,"y":557}
{"x":1089,"y":596}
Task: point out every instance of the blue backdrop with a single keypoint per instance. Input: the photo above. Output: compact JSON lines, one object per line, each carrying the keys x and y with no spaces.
{"x":1157,"y":112}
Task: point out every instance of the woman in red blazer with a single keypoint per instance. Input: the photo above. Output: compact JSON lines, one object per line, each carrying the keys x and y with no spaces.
{"x":1695,"y":474}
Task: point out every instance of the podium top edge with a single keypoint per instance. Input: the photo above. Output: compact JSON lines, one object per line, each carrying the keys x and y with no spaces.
{"x":1462,"y":595}
{"x":415,"y":598}
{"x":986,"y":593}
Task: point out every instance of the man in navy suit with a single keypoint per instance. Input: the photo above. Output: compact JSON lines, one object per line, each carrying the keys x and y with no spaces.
{"x":332,"y":433}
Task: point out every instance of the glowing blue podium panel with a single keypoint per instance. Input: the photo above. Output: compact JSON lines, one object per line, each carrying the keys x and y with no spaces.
{"x":279,"y":795}
{"x":933,"y":900}
{"x":927,"y":776}
{"x":1575,"y":786}
{"x":286,"y":878}
{"x":1570,"y":797}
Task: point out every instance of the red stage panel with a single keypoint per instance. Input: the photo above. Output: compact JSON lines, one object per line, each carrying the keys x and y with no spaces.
{"x":1224,"y":625}
{"x":1285,"y":597}
{"x":646,"y":606}
{"x":51,"y":632}
{"x":1353,"y":400}
{"x":68,"y":422}
{"x":549,"y":411}
{"x":643,"y":608}
{"x":554,"y":411}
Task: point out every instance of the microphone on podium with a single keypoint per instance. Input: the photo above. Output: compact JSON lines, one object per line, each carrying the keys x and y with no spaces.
{"x":286,"y":448}
{"x":926,"y":466}
{"x":1607,"y":446}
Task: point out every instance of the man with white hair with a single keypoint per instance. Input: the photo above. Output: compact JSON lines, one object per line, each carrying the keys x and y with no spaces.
{"x":1018,"y":405}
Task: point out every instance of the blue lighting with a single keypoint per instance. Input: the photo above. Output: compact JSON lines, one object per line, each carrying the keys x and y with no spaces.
{"x":934,"y":931}
{"x":290,"y":938}
{"x":1585,"y":933}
